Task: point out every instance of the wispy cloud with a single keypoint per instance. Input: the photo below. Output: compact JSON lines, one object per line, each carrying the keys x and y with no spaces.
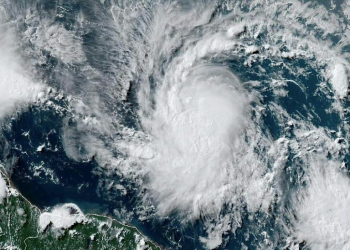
{"x":16,"y":85}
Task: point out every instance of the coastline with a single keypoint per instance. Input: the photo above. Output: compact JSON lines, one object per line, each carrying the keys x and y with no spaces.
{"x":4,"y":173}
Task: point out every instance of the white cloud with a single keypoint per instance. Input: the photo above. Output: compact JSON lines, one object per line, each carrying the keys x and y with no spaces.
{"x":61,"y":43}
{"x":196,"y":132}
{"x":235,"y":30}
{"x":199,"y":146}
{"x":340,"y":80}
{"x":15,"y":83}
{"x":197,"y":157}
{"x":3,"y":189}
{"x":61,"y":217}
{"x":322,"y":209}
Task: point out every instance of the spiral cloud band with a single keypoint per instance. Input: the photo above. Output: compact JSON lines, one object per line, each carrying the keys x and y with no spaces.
{"x":217,"y":123}
{"x":194,"y":128}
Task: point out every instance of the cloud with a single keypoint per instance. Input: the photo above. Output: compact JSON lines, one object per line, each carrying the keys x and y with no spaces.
{"x":195,"y":130}
{"x":3,"y":189}
{"x":60,"y":42}
{"x":322,"y":209}
{"x":340,"y":80}
{"x":202,"y":139}
{"x":15,"y":83}
{"x":61,"y":217}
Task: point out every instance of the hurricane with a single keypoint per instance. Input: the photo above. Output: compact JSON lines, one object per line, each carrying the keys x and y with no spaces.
{"x":205,"y":124}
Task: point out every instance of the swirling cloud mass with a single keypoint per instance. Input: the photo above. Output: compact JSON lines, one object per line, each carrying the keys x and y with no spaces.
{"x":225,"y":117}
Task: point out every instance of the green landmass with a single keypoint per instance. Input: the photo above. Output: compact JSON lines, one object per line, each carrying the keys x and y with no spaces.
{"x":20,"y":230}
